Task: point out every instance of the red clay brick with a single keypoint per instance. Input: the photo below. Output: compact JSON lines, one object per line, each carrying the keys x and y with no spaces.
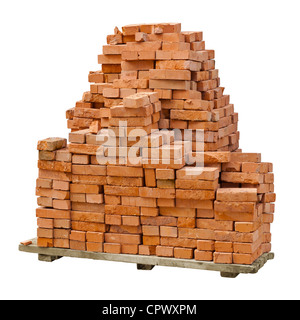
{"x":203,"y":255}
{"x":222,"y":257}
{"x":162,"y":251}
{"x":112,"y":248}
{"x":183,"y":253}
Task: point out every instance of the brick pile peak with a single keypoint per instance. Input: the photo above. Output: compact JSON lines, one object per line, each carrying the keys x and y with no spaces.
{"x":154,"y":77}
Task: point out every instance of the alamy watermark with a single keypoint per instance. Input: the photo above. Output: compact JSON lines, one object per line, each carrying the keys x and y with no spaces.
{"x":133,"y":146}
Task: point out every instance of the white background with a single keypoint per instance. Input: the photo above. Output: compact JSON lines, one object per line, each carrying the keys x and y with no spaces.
{"x":47,"y":50}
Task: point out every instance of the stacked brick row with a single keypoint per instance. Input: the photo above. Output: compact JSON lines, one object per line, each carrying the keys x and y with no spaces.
{"x":86,"y":193}
{"x":53,"y":191}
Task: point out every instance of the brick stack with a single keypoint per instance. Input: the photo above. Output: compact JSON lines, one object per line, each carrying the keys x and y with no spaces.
{"x":247,"y":171}
{"x":86,"y":192}
{"x":93,"y":196}
{"x":53,"y":191}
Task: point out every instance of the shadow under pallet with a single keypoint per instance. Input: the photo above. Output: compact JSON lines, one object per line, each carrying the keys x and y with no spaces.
{"x":148,"y":262}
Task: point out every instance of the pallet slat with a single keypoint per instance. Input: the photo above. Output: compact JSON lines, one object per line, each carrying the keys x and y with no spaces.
{"x":145,"y":262}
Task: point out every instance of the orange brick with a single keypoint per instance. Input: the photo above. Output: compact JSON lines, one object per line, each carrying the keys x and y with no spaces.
{"x":125,"y":181}
{"x":51,"y":144}
{"x":157,"y":193}
{"x":26,"y":242}
{"x":44,"y":183}
{"x":242,"y":177}
{"x":62,"y":204}
{"x":61,"y":233}
{"x":129,"y":248}
{"x":222,"y":246}
{"x":184,"y":222}
{"x":237,"y":194}
{"x":88,"y":226}
{"x":47,"y":155}
{"x":214,"y":225}
{"x":168,"y":231}
{"x":96,"y":170}
{"x":53,"y":213}
{"x":88,"y":207}
{"x":268,"y":217}
{"x":45,"y":242}
{"x":112,"y":248}
{"x":78,"y":235}
{"x":254,"y":167}
{"x":193,"y":233}
{"x":45,"y":202}
{"x":245,"y":157}
{"x":179,"y":242}
{"x":88,"y":216}
{"x":192,"y":203}
{"x":246,"y":226}
{"x":162,"y":251}
{"x":139,"y":202}
{"x":45,"y":233}
{"x":196,"y":173}
{"x":94,"y":237}
{"x":112,"y":199}
{"x":130,"y":221}
{"x":245,"y":207}
{"x":269,"y":178}
{"x":80,"y":159}
{"x":95,"y":198}
{"x":235,"y":216}
{"x":166,"y":184}
{"x":77,"y":245}
{"x":113,"y":219}
{"x":61,"y":185}
{"x":130,"y":29}
{"x":84,"y":188}
{"x":205,"y":213}
{"x":61,"y":243}
{"x":170,"y":203}
{"x":183,"y":253}
{"x":250,"y":248}
{"x":150,"y":212}
{"x":195,"y":194}
{"x":196,"y":184}
{"x":151,"y":240}
{"x":55,"y":166}
{"x":150,"y":178}
{"x":111,"y":92}
{"x":203,"y":255}
{"x":269,"y":197}
{"x":94,"y":246}
{"x":122,"y":238}
{"x":178,"y":212}
{"x":147,"y":250}
{"x":222,"y":257}
{"x":122,"y":210}
{"x":206,"y":245}
{"x":45,"y":223}
{"x":165,"y":174}
{"x":150,"y":230}
{"x":159,"y":221}
{"x":122,"y":191}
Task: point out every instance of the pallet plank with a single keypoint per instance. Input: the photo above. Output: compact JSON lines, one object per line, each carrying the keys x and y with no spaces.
{"x":226,"y":270}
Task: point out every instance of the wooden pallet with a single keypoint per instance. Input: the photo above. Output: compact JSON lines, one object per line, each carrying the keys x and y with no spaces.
{"x":147,"y":262}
